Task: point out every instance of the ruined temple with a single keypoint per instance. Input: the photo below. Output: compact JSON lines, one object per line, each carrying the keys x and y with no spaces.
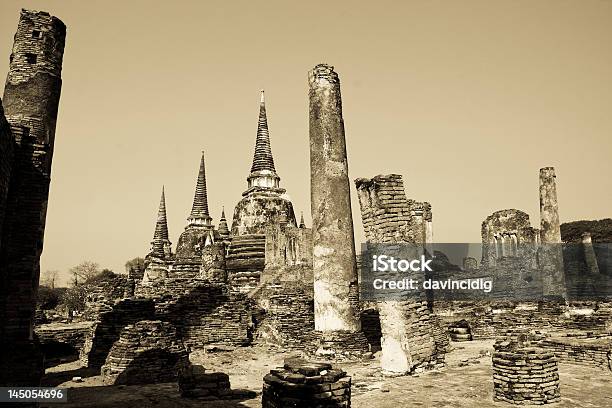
{"x":276,"y":285}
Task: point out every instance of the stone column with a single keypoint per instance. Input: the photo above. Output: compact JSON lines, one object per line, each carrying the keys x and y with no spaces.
{"x":334,"y":263}
{"x":589,"y":254}
{"x":551,"y":253}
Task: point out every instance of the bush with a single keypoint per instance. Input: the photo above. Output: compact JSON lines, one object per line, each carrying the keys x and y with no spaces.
{"x":49,"y":298}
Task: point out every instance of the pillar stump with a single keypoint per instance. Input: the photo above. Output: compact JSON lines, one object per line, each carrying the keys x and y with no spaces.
{"x":523,"y":374}
{"x":302,"y":384}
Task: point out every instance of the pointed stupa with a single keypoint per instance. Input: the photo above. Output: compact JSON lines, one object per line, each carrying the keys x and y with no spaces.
{"x":199,"y":210}
{"x":160,"y":237}
{"x":302,"y":223}
{"x":263,"y":173}
{"x":223,"y":229}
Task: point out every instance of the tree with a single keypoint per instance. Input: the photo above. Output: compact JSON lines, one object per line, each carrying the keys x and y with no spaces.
{"x":49,"y":278}
{"x":83,"y":272}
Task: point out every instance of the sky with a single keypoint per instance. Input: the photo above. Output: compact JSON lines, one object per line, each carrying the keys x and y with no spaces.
{"x":467,"y":100}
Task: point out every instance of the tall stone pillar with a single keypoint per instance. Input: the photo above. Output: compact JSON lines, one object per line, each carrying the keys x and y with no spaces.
{"x":31,"y":101}
{"x":551,"y":252}
{"x":589,"y":254}
{"x":334,"y":263}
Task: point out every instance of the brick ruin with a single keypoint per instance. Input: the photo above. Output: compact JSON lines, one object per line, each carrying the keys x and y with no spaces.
{"x":408,"y":331}
{"x":524,"y":373}
{"x":27,"y":134}
{"x":146,"y":352}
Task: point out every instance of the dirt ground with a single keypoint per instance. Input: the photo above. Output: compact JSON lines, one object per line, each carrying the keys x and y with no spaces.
{"x":465,"y":382}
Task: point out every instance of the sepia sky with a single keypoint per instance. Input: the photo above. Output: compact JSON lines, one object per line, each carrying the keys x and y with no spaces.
{"x":465,"y":99}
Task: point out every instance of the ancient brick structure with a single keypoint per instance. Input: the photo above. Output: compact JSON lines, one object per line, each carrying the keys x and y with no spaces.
{"x":509,"y":254}
{"x":301,"y":384}
{"x":31,"y":101}
{"x":159,"y":259}
{"x":108,"y":327}
{"x":288,"y":246}
{"x":336,"y":298}
{"x":524,"y":374}
{"x":470,"y":264}
{"x":245,"y":261}
{"x":195,"y":382}
{"x":264,"y":203}
{"x":203,"y":312}
{"x":199,"y":231}
{"x":408,"y":332}
{"x":590,"y":351}
{"x":289,"y":319}
{"x":147,"y":352}
{"x":550,"y":252}
{"x":59,"y":339}
{"x":6,"y":152}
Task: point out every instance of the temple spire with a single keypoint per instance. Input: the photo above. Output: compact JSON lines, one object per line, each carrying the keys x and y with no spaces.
{"x":263,"y":173}
{"x":223,"y":228}
{"x":302,"y":223}
{"x":160,"y":237}
{"x":199,"y":210}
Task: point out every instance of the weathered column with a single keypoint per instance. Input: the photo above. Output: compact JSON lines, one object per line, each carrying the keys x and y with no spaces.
{"x":589,"y":254}
{"x":334,"y":264}
{"x":31,"y":101}
{"x":551,"y":253}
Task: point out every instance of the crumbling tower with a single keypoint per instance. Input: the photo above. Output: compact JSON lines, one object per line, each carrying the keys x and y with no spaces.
{"x":334,"y":265}
{"x":31,"y":100}
{"x":409,"y":331}
{"x":551,"y":252}
{"x":264,"y":203}
{"x":199,"y":231}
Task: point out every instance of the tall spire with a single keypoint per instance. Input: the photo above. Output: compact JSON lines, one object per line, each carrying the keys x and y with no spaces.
{"x":263,"y":173}
{"x":302,"y":223}
{"x":199,"y":211}
{"x":223,"y":229}
{"x":160,"y":237}
{"x":262,"y":159}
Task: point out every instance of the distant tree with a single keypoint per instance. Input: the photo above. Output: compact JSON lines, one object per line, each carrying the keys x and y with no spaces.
{"x":48,"y":297}
{"x":49,"y":278}
{"x":136,"y":263}
{"x":83,"y":272}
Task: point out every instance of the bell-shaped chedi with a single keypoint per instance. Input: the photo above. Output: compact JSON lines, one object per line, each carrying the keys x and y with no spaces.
{"x":199,"y":230}
{"x":264,"y":203}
